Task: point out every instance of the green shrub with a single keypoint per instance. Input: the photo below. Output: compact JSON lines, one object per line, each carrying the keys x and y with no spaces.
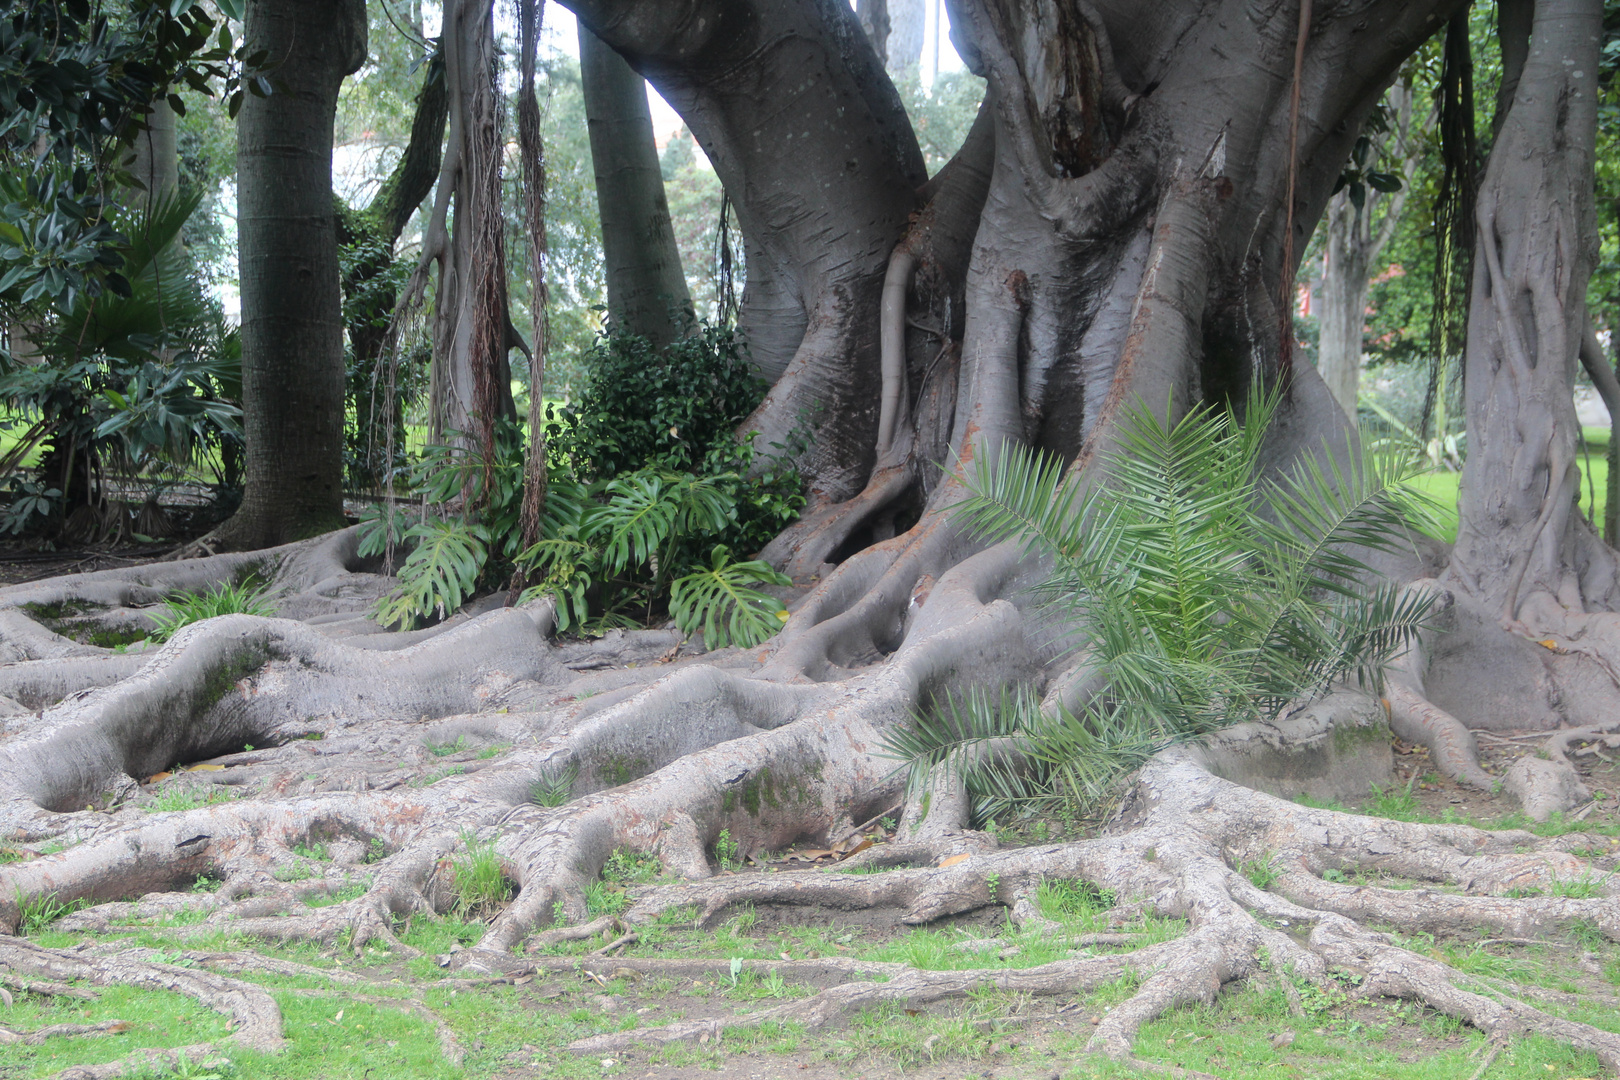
{"x":641,"y":406}
{"x":648,"y":493}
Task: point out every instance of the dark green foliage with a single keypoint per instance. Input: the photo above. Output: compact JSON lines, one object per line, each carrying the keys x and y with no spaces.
{"x":632,"y":511}
{"x":75,"y":86}
{"x":1197,"y":610}
{"x":137,"y":384}
{"x":640,"y":407}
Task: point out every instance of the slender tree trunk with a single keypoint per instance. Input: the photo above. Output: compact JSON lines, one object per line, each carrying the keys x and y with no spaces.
{"x":375,"y":230}
{"x":532,"y":154}
{"x":874,"y":20}
{"x":1355,"y":238}
{"x":1344,"y":303}
{"x":154,"y":159}
{"x":471,"y":382}
{"x":292,"y":326}
{"x":647,"y":293}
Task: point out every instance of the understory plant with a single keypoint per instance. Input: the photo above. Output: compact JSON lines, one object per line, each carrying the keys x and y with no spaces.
{"x":247,"y":598}
{"x":641,"y":517}
{"x":1201,"y":592}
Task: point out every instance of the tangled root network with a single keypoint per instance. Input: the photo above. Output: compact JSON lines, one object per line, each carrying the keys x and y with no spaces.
{"x":246,"y":740}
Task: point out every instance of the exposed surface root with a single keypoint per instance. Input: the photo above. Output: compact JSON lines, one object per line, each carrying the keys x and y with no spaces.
{"x":483,"y":738}
{"x":1176,"y":843}
{"x":252,"y":1011}
{"x":909,"y":987}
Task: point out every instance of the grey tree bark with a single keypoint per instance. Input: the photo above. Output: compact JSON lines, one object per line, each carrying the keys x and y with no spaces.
{"x":1355,"y":238}
{"x":647,"y":293}
{"x":292,"y":324}
{"x":1522,"y":550}
{"x":154,"y":159}
{"x":907,"y":28}
{"x":470,"y":387}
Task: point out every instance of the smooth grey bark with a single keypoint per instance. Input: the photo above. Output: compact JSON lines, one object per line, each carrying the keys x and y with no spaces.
{"x":647,"y":293}
{"x":873,"y":16}
{"x":1355,"y":238}
{"x":907,"y":26}
{"x":154,"y":158}
{"x":292,"y":325}
{"x":1523,"y":552}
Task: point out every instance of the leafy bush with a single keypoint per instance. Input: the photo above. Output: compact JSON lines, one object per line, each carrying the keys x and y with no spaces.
{"x":184,"y":609}
{"x":648,"y":493}
{"x":640,"y":406}
{"x":1206,"y":593}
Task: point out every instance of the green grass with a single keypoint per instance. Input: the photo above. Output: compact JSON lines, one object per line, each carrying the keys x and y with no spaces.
{"x":189,"y":798}
{"x":508,"y":1030}
{"x":1594,"y":450}
{"x":481,"y":885}
{"x":226,"y":598}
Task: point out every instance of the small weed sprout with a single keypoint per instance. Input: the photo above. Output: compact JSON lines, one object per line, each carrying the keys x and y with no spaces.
{"x":446,"y":749}
{"x":39,"y":911}
{"x":1262,"y":874}
{"x":555,"y":789}
{"x":188,"y":798}
{"x":725,"y":850}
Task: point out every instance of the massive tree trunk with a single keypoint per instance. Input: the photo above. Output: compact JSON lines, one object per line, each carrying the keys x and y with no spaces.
{"x":292,"y":323}
{"x":646,"y":287}
{"x":822,"y":200}
{"x":1115,"y":229}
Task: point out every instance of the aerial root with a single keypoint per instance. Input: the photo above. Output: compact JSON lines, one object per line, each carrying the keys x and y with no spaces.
{"x":57,"y":1031}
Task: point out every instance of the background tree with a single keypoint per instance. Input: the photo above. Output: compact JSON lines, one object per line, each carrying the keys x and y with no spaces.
{"x":646,"y":286}
{"x":292,"y":320}
{"x":1360,"y":221}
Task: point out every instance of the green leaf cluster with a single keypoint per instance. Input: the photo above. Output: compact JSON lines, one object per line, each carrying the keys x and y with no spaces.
{"x":1202,"y":593}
